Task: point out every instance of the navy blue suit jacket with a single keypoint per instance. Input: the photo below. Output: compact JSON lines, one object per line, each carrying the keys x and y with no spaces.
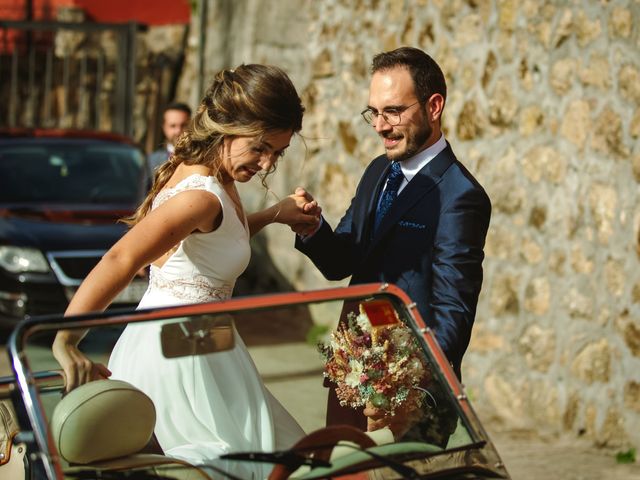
{"x":157,"y":158}
{"x":430,"y":244}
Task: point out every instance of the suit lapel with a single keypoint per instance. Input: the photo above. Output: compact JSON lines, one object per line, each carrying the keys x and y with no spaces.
{"x":423,"y":182}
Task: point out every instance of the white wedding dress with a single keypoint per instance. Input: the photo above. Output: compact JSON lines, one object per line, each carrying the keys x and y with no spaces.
{"x":211,"y":404}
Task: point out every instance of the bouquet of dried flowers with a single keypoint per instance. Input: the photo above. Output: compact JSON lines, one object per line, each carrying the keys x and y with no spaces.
{"x":381,"y":365}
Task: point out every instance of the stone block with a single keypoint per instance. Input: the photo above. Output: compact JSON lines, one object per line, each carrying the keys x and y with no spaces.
{"x":629,"y":83}
{"x":531,"y":251}
{"x":597,"y":73}
{"x":587,"y":30}
{"x":571,"y":411}
{"x":526,"y":76}
{"x":69,"y":42}
{"x":407,"y":37}
{"x":578,"y":304}
{"x":531,"y":120}
{"x":471,"y":121}
{"x":612,"y":432}
{"x":504,"y":295}
{"x":533,"y":162}
{"x":632,"y":396}
{"x":576,"y":122}
{"x":620,"y":22}
{"x":538,"y":296}
{"x":507,"y":197}
{"x":563,"y":75}
{"x":538,"y":346}
{"x":564,"y":27}
{"x":607,"y":134}
{"x":490,"y":65}
{"x":507,"y":15}
{"x":501,"y":243}
{"x":323,"y":65}
{"x":485,"y":342}
{"x":542,"y":31}
{"x":634,"y":127}
{"x":603,"y":203}
{"x":593,"y":362}
{"x":542,"y":402}
{"x":538,"y":217}
{"x":507,"y":403}
{"x":556,"y":261}
{"x":615,"y":277}
{"x":469,"y":32}
{"x":581,"y":262}
{"x":631,"y":335}
{"x":503,"y":106}
{"x":349,"y":139}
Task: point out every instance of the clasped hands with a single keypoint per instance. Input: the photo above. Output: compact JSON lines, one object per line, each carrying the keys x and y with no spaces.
{"x":300,"y":211}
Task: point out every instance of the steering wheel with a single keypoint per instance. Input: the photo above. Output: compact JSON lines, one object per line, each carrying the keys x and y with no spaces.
{"x":320,"y":444}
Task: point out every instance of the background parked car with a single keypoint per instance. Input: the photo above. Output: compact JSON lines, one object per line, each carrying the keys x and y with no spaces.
{"x":62,"y":193}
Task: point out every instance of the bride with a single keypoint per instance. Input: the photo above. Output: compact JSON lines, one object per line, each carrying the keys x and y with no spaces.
{"x":193,"y":231}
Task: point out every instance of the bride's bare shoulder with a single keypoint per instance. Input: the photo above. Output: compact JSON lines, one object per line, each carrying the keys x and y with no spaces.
{"x":183,"y":172}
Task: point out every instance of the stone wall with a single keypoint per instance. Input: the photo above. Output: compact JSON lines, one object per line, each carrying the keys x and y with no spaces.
{"x":544,"y":108}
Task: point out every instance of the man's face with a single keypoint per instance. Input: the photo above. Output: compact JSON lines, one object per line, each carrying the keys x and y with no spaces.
{"x":392,"y":91}
{"x":175,"y":121}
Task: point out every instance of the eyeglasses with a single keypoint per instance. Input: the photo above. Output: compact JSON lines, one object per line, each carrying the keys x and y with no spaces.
{"x":390,"y":115}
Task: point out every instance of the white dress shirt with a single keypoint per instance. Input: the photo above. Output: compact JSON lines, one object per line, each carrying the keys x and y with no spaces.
{"x":411,"y":166}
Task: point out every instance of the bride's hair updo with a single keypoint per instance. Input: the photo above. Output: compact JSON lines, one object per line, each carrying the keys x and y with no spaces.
{"x":251,"y":100}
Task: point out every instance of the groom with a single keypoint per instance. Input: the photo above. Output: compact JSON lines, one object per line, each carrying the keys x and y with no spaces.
{"x":418,"y":218}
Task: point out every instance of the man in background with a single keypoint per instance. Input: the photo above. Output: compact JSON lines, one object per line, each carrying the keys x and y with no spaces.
{"x":175,"y":118}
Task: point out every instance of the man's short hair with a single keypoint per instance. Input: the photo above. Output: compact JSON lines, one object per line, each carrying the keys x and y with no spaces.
{"x":182,"y":107}
{"x":425,"y":72}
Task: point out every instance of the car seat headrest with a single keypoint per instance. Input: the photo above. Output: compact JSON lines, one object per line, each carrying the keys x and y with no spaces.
{"x":102,"y":420}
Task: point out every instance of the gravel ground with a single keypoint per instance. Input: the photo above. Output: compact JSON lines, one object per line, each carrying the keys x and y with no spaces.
{"x":530,"y":457}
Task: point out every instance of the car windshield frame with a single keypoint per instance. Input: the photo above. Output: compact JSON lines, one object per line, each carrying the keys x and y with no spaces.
{"x":29,"y":382}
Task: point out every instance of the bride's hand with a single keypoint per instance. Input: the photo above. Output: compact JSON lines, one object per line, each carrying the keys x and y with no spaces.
{"x":77,"y":367}
{"x":300,"y":211}
{"x":309,"y":206}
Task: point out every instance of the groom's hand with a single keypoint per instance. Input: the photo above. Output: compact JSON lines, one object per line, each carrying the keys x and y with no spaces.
{"x":399,"y":422}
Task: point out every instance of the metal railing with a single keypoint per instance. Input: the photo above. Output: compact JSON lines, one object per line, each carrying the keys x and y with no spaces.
{"x":63,"y":75}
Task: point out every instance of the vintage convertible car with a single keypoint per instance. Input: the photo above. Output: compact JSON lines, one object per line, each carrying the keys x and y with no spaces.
{"x":103,"y":429}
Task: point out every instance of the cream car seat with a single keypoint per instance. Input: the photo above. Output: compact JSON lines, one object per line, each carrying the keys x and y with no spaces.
{"x":105,"y":425}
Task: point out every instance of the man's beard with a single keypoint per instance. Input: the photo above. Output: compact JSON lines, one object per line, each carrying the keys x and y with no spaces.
{"x":414,"y":144}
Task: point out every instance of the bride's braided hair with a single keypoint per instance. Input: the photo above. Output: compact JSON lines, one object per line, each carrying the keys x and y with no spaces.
{"x":251,"y":100}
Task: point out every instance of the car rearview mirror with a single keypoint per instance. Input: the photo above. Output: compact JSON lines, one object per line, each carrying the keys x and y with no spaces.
{"x":197,"y":336}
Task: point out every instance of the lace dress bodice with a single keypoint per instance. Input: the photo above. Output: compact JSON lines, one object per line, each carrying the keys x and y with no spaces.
{"x":205,"y":266}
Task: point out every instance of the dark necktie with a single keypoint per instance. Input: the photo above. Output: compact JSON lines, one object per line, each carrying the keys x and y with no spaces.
{"x":390,"y":192}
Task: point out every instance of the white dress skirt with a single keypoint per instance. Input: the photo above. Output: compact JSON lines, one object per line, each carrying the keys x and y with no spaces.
{"x":210,"y":404}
